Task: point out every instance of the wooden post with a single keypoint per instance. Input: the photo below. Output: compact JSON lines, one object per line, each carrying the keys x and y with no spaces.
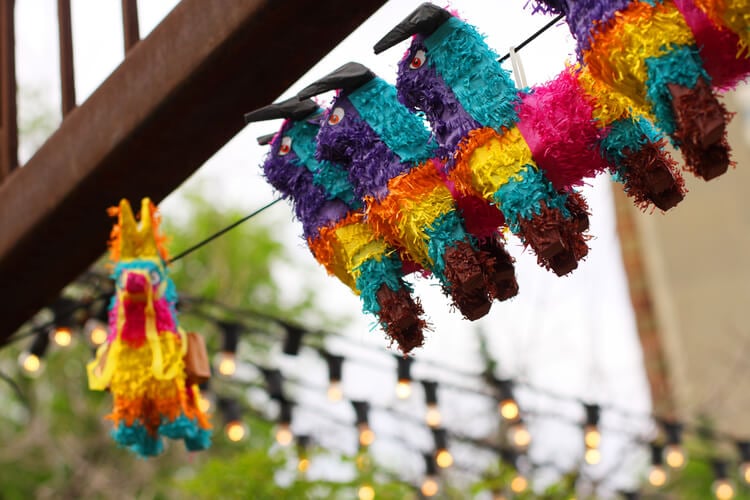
{"x":130,"y":30}
{"x":8,"y":118}
{"x":67,"y":74}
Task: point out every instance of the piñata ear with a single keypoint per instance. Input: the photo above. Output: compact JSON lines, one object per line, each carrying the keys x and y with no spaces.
{"x":350,"y":76}
{"x":424,"y":21}
{"x":294,"y":108}
{"x":265,"y":140}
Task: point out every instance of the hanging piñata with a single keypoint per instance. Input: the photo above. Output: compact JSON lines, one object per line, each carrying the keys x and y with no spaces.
{"x":148,"y":363}
{"x":451,"y":75}
{"x":392,"y":165}
{"x":334,"y":224}
{"x":646,"y":53}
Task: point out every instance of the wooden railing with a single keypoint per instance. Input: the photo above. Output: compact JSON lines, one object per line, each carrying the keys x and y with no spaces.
{"x":8,"y":114}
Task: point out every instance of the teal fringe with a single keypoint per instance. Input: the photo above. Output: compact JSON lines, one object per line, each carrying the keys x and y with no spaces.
{"x":188,"y":430}
{"x":470,"y":68}
{"x":402,"y":131}
{"x":627,"y":133}
{"x":521,"y":199}
{"x":376,"y":272}
{"x":681,"y":65}
{"x":331,"y":177}
{"x":445,"y":232}
{"x":136,"y":438}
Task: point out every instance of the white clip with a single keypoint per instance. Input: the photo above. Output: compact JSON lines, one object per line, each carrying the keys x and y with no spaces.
{"x":518,"y":72}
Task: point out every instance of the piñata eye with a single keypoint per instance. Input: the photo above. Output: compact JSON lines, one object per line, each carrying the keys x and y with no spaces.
{"x":336,"y":116}
{"x":286,"y":145}
{"x":418,"y":60}
{"x":155,"y":277}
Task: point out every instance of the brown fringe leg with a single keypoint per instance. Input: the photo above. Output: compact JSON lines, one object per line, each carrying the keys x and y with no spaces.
{"x":401,"y":318}
{"x":464,"y":272}
{"x":498,"y":269}
{"x":651,"y":176}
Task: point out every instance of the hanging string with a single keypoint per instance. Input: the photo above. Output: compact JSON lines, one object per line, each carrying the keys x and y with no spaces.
{"x":221,"y":232}
{"x":533,"y":37}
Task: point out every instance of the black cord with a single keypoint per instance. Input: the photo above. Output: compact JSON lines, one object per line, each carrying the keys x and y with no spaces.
{"x":534,"y":36}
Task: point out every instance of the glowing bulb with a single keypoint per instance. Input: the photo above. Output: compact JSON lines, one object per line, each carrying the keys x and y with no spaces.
{"x":31,"y":363}
{"x":403,"y":389}
{"x":592,"y":437}
{"x":284,"y":434}
{"x":509,"y":409}
{"x":98,"y":335}
{"x":519,"y":484}
{"x":745,"y":472}
{"x":444,"y":459}
{"x":432,"y":416}
{"x":520,"y":436}
{"x":363,"y":461}
{"x":303,"y":464}
{"x":674,"y":455}
{"x":235,"y":431}
{"x":723,"y":489}
{"x":657,"y":476}
{"x":430,"y":487}
{"x":204,"y":404}
{"x":62,"y":336}
{"x":366,"y":436}
{"x":366,"y":492}
{"x":593,"y":456}
{"x":227,"y":364}
{"x":334,"y":391}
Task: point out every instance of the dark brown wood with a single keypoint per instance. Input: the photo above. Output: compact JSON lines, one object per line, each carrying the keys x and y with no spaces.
{"x":130,"y":31}
{"x":67,"y":73}
{"x":8,"y":118}
{"x":178,"y":97}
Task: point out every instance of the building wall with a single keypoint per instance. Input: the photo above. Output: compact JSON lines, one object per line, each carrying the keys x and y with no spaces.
{"x":696,"y":259}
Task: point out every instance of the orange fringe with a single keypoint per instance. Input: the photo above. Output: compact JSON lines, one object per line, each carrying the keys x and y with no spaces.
{"x":322,"y":246}
{"x":115,"y":234}
{"x":462,"y":174}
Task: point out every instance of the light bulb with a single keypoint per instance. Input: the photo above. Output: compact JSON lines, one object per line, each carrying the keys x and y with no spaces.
{"x":745,"y":472}
{"x":366,"y":492}
{"x":227,"y":364}
{"x":674,"y":456}
{"x":509,"y":409}
{"x":235,"y":431}
{"x":334,"y":391}
{"x":62,"y":336}
{"x":592,"y":437}
{"x":98,"y":335}
{"x":432,"y":416}
{"x":303,"y":464}
{"x":519,"y":484}
{"x":204,"y":403}
{"x":723,"y":489}
{"x":403,"y":389}
{"x":366,"y":436}
{"x":657,"y":476}
{"x":593,"y":456}
{"x":31,"y":363}
{"x":363,"y":461}
{"x":520,"y":436}
{"x":284,"y":434}
{"x":430,"y":486}
{"x":444,"y":459}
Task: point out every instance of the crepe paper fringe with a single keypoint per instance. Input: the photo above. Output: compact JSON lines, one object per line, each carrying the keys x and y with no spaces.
{"x":371,"y":163}
{"x":732,"y":14}
{"x":400,"y":317}
{"x":725,"y":56}
{"x":469,"y":67}
{"x":375,"y":272}
{"x":115,"y":237}
{"x":444,"y":232}
{"x":333,"y":178}
{"x":422,"y":90}
{"x":481,"y":219}
{"x":498,"y":268}
{"x":403,"y":132}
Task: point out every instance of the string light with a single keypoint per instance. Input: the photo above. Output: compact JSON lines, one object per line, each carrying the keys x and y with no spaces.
{"x":508,"y":407}
{"x":519,"y":435}
{"x":443,"y":457}
{"x":32,"y":361}
{"x":303,"y":460}
{"x":62,"y":336}
{"x":432,"y":416}
{"x":227,"y":358}
{"x":591,"y":436}
{"x":204,"y":400}
{"x":292,"y":340}
{"x":284,"y":434}
{"x":95,"y":331}
{"x":63,"y":309}
{"x":657,"y":476}
{"x":722,"y":487}
{"x":403,"y":386}
{"x":592,"y":456}
{"x":366,"y":435}
{"x":743,"y":448}
{"x":234,"y":428}
{"x":334,"y":376}
{"x":366,"y":492}
{"x":674,"y":453}
{"x":519,"y":483}
{"x":274,"y":384}
{"x":430,"y":486}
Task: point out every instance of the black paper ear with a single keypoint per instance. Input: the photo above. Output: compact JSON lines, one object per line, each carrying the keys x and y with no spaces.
{"x":294,"y":108}
{"x":349,"y":76}
{"x":424,"y":21}
{"x":264,"y":140}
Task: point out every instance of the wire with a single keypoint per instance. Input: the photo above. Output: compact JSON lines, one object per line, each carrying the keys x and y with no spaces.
{"x":534,"y":36}
{"x":221,"y":232}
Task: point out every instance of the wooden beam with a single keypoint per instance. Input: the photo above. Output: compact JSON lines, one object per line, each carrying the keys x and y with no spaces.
{"x":67,"y":72}
{"x":130,"y":32}
{"x":8,"y":119}
{"x":177,"y":98}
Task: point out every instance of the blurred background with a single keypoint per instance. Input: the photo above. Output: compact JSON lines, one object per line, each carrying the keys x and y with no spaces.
{"x":645,"y":344}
